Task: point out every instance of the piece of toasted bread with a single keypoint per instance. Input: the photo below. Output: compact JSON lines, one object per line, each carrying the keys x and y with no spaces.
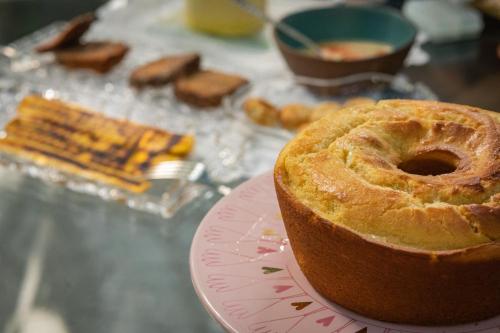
{"x":207,"y":87}
{"x":165,"y":70}
{"x":99,"y":56}
{"x":70,"y":34}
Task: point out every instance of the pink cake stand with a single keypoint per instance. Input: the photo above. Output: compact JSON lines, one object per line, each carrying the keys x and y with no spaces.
{"x":245,"y":274}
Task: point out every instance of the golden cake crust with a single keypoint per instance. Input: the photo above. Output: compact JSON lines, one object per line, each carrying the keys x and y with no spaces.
{"x":386,"y":243}
{"x":345,"y":167}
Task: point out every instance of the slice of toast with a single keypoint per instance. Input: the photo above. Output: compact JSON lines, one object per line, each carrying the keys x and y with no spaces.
{"x":207,"y":88}
{"x":70,"y":35}
{"x":98,"y":56}
{"x":165,"y":70}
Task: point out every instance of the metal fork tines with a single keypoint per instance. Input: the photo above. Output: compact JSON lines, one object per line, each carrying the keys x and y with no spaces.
{"x":181,"y":170}
{"x":184,"y":171}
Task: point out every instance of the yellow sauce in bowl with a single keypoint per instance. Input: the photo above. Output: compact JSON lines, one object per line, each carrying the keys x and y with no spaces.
{"x":353,"y":50}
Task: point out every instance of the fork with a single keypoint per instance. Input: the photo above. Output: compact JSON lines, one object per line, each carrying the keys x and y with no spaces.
{"x":184,"y":171}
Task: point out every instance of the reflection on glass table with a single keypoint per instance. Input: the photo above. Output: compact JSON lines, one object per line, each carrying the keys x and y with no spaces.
{"x":74,"y":263}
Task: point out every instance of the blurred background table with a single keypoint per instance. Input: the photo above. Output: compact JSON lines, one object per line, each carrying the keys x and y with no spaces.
{"x":466,"y":72}
{"x":110,"y":269}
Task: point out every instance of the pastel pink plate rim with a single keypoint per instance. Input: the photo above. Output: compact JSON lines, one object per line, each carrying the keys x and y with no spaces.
{"x":246,"y":276}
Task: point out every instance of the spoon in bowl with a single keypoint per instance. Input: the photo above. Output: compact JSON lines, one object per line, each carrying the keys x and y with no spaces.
{"x":293,"y":33}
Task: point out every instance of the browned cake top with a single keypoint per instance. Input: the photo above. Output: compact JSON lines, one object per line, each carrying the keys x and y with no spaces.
{"x":70,"y":35}
{"x":414,"y":173}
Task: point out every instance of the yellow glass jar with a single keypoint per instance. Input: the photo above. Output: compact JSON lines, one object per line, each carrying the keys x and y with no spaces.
{"x":223,"y":17}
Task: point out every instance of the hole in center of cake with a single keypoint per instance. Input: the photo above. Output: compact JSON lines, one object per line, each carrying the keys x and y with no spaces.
{"x":431,"y":163}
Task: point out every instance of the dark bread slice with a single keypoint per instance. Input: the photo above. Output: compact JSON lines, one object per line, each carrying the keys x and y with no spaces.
{"x":98,"y":56}
{"x":70,"y":35}
{"x":207,"y":88}
{"x":165,"y":70}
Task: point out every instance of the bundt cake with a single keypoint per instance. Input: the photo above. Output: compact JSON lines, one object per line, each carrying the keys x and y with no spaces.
{"x":393,"y":210}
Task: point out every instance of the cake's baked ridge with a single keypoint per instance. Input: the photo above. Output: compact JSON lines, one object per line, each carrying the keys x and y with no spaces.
{"x":347,"y":167}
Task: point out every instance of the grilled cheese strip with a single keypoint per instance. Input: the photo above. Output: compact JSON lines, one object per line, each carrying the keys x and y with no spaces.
{"x":73,"y":139}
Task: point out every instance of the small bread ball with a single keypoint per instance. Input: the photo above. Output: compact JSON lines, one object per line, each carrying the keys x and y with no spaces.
{"x":302,"y":127}
{"x":294,"y":115}
{"x":261,"y":111}
{"x":359,"y":101}
{"x":323,"y":109}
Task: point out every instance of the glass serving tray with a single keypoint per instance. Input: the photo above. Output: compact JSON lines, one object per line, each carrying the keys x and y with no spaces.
{"x":156,"y":200}
{"x":231,"y":146}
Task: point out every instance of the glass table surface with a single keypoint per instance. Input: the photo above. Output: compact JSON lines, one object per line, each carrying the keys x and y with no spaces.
{"x":74,"y":263}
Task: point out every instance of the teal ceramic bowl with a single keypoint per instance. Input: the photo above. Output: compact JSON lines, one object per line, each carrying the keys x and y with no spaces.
{"x":346,"y":23}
